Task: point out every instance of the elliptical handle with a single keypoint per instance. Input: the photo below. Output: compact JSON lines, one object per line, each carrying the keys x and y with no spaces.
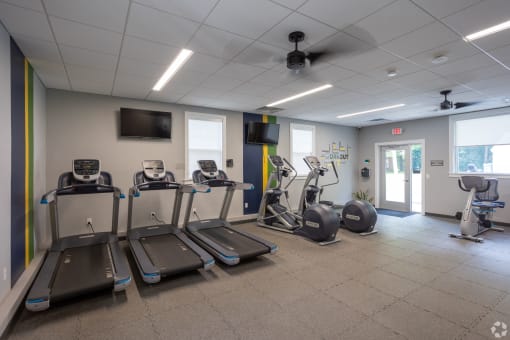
{"x":293,"y":170}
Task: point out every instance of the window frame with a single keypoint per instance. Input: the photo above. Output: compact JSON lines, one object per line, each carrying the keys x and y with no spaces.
{"x":452,"y":120}
{"x":297,"y":126}
{"x":188,"y":115}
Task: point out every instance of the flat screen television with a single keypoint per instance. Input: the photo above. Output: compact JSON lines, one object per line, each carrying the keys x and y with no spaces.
{"x":262,"y":133}
{"x":145,"y":123}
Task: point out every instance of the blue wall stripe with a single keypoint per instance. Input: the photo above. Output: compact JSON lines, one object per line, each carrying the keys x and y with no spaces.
{"x":17,"y":163}
{"x":252,"y":168}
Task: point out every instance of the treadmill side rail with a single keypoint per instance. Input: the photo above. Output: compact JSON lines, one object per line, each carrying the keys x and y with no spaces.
{"x":149,"y":273}
{"x":270,"y":245}
{"x":38,"y":298}
{"x":206,"y":258}
{"x":122,"y":273}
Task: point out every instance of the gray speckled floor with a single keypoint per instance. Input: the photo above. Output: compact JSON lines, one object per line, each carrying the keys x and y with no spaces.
{"x":410,"y":281}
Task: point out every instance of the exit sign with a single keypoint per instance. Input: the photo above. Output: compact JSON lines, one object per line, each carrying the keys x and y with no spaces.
{"x":396,"y":131}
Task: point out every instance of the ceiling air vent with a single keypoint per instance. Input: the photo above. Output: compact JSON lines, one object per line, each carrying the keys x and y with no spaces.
{"x":268,"y":109}
{"x":379,"y":120}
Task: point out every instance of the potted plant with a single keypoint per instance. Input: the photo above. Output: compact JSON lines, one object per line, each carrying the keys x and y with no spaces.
{"x":363,"y":195}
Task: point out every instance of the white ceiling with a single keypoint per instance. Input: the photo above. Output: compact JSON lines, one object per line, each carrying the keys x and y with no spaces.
{"x":121,"y":48}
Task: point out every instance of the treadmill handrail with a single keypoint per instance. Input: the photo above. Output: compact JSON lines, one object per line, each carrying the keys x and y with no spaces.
{"x":68,"y":190}
{"x":229,"y":183}
{"x":154,"y":185}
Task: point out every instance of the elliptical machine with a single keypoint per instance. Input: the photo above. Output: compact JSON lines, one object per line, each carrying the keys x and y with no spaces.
{"x":356,"y":216}
{"x":481,"y":203}
{"x":318,"y":222}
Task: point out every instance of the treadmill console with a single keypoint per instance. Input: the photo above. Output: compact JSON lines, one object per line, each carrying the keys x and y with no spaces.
{"x":154,"y":169}
{"x":208,"y":168}
{"x":86,"y":170}
{"x":276,"y":160}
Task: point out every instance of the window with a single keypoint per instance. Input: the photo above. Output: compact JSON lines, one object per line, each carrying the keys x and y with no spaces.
{"x":480,"y":144}
{"x":302,"y":143}
{"x":205,"y":139}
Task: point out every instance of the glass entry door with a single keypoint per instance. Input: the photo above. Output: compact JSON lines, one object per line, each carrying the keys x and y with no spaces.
{"x":395,"y":171}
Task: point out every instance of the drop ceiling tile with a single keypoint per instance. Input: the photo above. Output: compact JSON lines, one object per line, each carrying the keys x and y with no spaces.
{"x":441,"y":8}
{"x":84,"y":36}
{"x":204,"y":92}
{"x":254,"y":89}
{"x":109,"y":14}
{"x":164,"y":28}
{"x":35,"y":5}
{"x":52,"y":74}
{"x":86,"y":86}
{"x":402,"y":67}
{"x":363,"y":61}
{"x":480,"y":73}
{"x":38,"y":49}
{"x":314,"y":32}
{"x":502,"y":54}
{"x":136,"y":67}
{"x":221,"y":83}
{"x":218,"y":43}
{"x":494,"y":41}
{"x":203,"y":63}
{"x":423,"y":39}
{"x":132,"y":86}
{"x":416,"y":78}
{"x":248,"y":18}
{"x":148,"y":51}
{"x":462,"y":65}
{"x":392,"y":21}
{"x":356,"y":83}
{"x":198,"y":101}
{"x":87,"y":75}
{"x":263,"y":55}
{"x":167,"y":96}
{"x":79,"y":56}
{"x":240,"y":71}
{"x":493,"y":82}
{"x":341,"y":13}
{"x":25,"y":22}
{"x":195,"y":10}
{"x":454,"y":51}
{"x":294,"y":4}
{"x":329,"y":74}
{"x":480,"y":16}
{"x":189,"y":78}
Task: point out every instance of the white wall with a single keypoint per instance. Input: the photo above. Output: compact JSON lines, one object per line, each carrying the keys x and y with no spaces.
{"x":5,"y":170}
{"x":324,"y":135}
{"x":442,"y":194}
{"x":84,"y":125}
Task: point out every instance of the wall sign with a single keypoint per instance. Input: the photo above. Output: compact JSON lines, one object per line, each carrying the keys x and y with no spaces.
{"x":336,"y":152}
{"x":437,"y":162}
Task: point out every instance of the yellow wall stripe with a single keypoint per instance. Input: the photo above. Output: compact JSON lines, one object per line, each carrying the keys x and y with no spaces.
{"x":264,"y":159}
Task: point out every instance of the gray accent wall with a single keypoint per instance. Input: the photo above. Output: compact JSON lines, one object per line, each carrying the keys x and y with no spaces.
{"x":5,"y":170}
{"x":442,"y":194}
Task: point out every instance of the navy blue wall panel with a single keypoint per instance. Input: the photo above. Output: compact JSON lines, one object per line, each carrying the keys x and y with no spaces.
{"x":252,"y":168}
{"x":17,"y":163}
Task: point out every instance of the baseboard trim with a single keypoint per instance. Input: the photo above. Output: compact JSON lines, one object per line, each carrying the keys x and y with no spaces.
{"x":502,"y":224}
{"x":10,"y":305}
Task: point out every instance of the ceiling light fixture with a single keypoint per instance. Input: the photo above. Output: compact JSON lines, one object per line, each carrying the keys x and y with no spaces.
{"x":302,"y":94}
{"x":178,"y":62}
{"x":488,"y":31}
{"x":439,"y":59}
{"x":372,"y":110}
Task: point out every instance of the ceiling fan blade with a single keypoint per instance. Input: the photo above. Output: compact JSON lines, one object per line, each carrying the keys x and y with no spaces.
{"x":315,"y":56}
{"x":459,"y":105}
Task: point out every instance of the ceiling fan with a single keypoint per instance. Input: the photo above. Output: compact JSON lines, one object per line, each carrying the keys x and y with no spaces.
{"x":447,"y":104}
{"x":297,"y":60}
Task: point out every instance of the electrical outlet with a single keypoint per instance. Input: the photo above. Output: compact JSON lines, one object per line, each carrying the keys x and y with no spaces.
{"x":153,"y":214}
{"x":194,"y":210}
{"x":89,"y":220}
{"x":245,"y":205}
{"x":5,"y":273}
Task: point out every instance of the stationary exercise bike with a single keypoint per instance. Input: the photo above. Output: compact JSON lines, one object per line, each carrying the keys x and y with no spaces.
{"x":356,"y":215}
{"x":480,"y":205}
{"x":317,"y":222}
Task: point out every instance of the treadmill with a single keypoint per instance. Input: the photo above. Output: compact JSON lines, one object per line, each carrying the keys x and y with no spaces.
{"x":85,"y":263}
{"x":217,"y":236}
{"x":163,"y":249}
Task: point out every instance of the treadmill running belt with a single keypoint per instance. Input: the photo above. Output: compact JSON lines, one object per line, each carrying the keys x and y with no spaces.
{"x":170,"y":254}
{"x":82,"y":270}
{"x":232,"y":240}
